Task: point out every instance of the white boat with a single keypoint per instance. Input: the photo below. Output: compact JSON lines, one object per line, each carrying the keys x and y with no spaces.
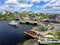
{"x":13,"y":23}
{"x":45,"y":41}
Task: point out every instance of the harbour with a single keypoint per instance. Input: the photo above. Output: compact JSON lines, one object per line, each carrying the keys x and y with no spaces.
{"x":42,"y":35}
{"x":14,"y":35}
{"x":29,"y":22}
{"x":10,"y":35}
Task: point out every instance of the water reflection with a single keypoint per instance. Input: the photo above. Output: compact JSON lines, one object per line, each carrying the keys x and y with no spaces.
{"x":10,"y":35}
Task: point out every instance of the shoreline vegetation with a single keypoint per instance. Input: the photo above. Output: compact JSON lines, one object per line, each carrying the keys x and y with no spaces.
{"x":27,"y":15}
{"x":7,"y":17}
{"x":10,"y":16}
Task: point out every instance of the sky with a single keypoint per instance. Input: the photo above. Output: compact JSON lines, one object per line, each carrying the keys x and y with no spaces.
{"x":43,"y":6}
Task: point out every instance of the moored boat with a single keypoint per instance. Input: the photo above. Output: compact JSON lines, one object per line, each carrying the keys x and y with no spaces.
{"x":13,"y":23}
{"x":48,"y":41}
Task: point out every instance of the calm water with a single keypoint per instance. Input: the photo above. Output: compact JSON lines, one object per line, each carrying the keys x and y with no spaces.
{"x":10,"y":35}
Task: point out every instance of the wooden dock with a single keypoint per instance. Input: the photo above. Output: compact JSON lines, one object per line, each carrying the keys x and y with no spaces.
{"x":29,"y":22}
{"x":37,"y":35}
{"x":33,"y":34}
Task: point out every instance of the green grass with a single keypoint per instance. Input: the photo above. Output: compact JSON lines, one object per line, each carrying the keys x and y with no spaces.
{"x":42,"y":15}
{"x":8,"y":16}
{"x":55,"y":34}
{"x":58,"y":35}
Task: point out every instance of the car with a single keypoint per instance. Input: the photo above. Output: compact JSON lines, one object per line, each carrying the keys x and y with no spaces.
{"x":44,"y":20}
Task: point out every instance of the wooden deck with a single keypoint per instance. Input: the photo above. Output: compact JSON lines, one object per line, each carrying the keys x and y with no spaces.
{"x":32,"y":33}
{"x":36,"y":34}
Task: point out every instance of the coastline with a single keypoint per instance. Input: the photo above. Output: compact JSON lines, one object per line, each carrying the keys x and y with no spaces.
{"x":7,"y":18}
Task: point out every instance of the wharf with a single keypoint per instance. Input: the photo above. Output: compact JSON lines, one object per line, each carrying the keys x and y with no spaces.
{"x":28,"y":22}
{"x":36,"y":34}
{"x":33,"y":34}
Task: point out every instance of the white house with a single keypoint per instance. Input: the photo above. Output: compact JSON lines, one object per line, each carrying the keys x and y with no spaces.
{"x":5,"y":13}
{"x":53,"y":18}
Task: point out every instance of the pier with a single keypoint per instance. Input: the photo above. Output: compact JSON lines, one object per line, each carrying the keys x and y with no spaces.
{"x":36,"y":34}
{"x":28,"y":22}
{"x":33,"y":34}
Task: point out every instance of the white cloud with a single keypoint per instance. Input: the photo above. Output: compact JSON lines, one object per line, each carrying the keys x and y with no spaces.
{"x":35,"y":1}
{"x":23,"y":1}
{"x":53,"y":1}
{"x":15,"y":5}
{"x":52,"y":5}
{"x":11,"y":2}
{"x":24,"y":9}
{"x":1,"y":7}
{"x":21,"y":5}
{"x":38,"y":1}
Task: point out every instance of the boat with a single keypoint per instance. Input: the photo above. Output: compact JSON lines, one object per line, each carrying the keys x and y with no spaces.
{"x":48,"y":41}
{"x":13,"y":23}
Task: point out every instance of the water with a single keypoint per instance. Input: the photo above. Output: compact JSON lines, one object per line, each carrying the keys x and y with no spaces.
{"x":10,"y":35}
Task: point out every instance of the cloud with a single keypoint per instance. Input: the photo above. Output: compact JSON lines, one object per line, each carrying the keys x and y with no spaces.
{"x":11,"y":2}
{"x":35,"y":1}
{"x":16,"y":2}
{"x":53,"y":3}
{"x":21,"y":5}
{"x":38,"y":1}
{"x":51,"y":6}
{"x":45,"y":0}
{"x":16,"y":5}
{"x":23,"y":1}
{"x":1,"y":7}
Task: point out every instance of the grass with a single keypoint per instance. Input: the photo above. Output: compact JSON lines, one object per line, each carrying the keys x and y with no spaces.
{"x":42,"y":15}
{"x":55,"y":34}
{"x":38,"y":16}
{"x":58,"y":35}
{"x":9,"y":16}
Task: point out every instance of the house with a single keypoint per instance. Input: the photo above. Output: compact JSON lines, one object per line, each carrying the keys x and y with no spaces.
{"x":31,"y":17}
{"x":59,"y":18}
{"x":5,"y":13}
{"x":53,"y":18}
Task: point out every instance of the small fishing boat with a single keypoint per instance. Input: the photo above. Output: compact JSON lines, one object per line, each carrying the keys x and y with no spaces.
{"x":13,"y":23}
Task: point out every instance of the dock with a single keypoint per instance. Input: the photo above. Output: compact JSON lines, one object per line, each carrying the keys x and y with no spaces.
{"x":28,"y":22}
{"x":36,"y":34}
{"x":33,"y":34}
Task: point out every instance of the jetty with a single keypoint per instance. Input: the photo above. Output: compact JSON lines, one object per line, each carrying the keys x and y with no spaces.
{"x":32,"y":33}
{"x":28,"y":22}
{"x":36,"y":34}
